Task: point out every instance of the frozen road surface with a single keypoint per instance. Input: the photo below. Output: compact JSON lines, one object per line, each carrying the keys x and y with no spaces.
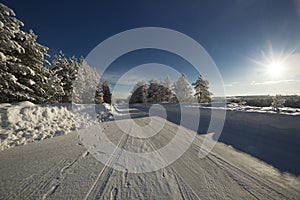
{"x":62,"y":168}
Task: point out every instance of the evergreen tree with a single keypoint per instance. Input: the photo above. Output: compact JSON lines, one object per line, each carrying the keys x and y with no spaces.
{"x":85,"y":84}
{"x":23,"y":75}
{"x":155,"y":92}
{"x":106,"y":92}
{"x":66,"y":70}
{"x":99,"y":94}
{"x":139,"y":93}
{"x":183,"y":90}
{"x":201,"y":87}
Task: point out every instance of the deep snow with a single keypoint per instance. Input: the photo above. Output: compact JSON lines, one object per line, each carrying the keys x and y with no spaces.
{"x":26,"y":122}
{"x":61,"y":168}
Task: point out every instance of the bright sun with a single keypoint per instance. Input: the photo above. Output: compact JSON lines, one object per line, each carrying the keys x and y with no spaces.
{"x":275,"y":69}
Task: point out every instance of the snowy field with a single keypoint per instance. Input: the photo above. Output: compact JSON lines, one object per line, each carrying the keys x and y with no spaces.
{"x":271,"y":137}
{"x":62,"y":168}
{"x":245,"y":108}
{"x":26,"y":122}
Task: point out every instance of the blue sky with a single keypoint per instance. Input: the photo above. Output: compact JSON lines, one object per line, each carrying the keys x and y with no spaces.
{"x":244,"y":38}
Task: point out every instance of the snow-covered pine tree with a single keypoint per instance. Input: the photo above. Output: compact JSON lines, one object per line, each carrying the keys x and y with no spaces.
{"x":66,"y":70}
{"x":85,"y":84}
{"x":79,"y":86}
{"x":139,"y":93}
{"x":55,"y":91}
{"x":168,"y":93}
{"x":23,"y":75}
{"x":106,"y":92}
{"x":278,"y":102}
{"x":183,"y":90}
{"x":201,"y":87}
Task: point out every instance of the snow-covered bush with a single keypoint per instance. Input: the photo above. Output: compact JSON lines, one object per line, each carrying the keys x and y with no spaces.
{"x":278,"y":102}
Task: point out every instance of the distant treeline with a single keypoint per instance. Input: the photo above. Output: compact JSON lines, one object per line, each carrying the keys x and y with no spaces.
{"x":265,"y":101}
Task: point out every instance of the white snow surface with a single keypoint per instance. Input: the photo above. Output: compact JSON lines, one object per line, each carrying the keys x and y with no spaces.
{"x":62,"y":168}
{"x":245,"y":108}
{"x":26,"y":122}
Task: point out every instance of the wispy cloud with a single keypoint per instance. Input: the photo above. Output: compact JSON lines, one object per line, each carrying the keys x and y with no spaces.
{"x":230,"y":84}
{"x":273,"y":82}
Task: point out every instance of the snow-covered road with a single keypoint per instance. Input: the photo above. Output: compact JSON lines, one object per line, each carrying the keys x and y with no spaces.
{"x":61,"y":168}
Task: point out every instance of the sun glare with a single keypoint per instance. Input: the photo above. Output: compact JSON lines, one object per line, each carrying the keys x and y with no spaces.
{"x":275,"y":69}
{"x":274,"y":66}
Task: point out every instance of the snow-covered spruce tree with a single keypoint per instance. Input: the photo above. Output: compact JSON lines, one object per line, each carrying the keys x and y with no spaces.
{"x":99,"y":94}
{"x":85,"y":84}
{"x":183,"y":90}
{"x":106,"y":92}
{"x":23,"y":75}
{"x":278,"y":102}
{"x":155,"y":92}
{"x":201,"y":87}
{"x":139,"y":93}
{"x":66,"y":70}
{"x":159,"y":91}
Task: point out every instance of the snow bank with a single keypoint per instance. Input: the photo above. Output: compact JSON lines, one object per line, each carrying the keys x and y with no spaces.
{"x":245,"y":108}
{"x":26,"y":122}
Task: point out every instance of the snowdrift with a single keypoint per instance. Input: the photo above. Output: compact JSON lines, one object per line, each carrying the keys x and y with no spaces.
{"x":26,"y":122}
